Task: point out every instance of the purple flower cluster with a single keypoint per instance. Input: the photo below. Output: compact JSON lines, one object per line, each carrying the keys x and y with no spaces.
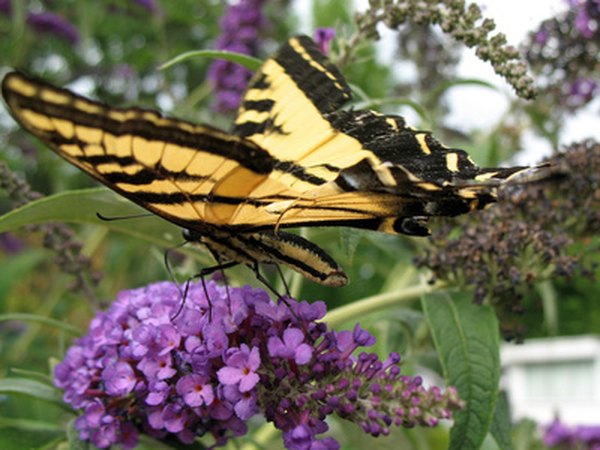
{"x":46,"y":22}
{"x":141,"y":370}
{"x":563,"y":53}
{"x":240,"y":27}
{"x":559,"y":435}
{"x":585,"y":19}
{"x":149,"y":5}
{"x":580,"y":92}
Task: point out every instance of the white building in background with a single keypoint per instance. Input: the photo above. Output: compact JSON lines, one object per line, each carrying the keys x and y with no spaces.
{"x":546,"y":378}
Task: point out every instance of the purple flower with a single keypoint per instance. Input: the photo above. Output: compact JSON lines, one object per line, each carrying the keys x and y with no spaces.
{"x":47,"y":22}
{"x":118,"y":379}
{"x":559,"y":435}
{"x":5,"y":7}
{"x":323,"y":38}
{"x":139,"y":371}
{"x":174,"y":417}
{"x":586,"y":12}
{"x":11,"y":244}
{"x":292,"y":346}
{"x":157,"y":392}
{"x":579,"y":92}
{"x":239,"y":33}
{"x":195,"y":390}
{"x":241,"y":368}
{"x":150,"y":5}
{"x":584,"y":23}
{"x":541,"y":36}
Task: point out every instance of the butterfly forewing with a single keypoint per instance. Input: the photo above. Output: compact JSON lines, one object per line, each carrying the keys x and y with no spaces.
{"x":176,"y":169}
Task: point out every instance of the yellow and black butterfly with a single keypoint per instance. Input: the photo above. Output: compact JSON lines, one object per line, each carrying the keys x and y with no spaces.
{"x":294,"y":158}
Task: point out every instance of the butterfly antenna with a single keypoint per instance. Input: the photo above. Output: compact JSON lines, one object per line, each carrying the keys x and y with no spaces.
{"x":291,"y":206}
{"x":132,"y":216}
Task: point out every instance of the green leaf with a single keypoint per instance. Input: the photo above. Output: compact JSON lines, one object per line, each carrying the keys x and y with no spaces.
{"x":28,"y":424}
{"x":247,"y":61}
{"x":81,"y":206}
{"x":24,"y":317}
{"x":31,"y":388}
{"x":501,"y":425}
{"x":16,"y":439}
{"x":467,"y":341}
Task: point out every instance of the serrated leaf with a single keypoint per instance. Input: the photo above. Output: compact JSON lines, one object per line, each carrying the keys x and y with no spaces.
{"x":31,"y":388}
{"x":249,"y":62}
{"x":467,"y":341}
{"x":501,"y":425}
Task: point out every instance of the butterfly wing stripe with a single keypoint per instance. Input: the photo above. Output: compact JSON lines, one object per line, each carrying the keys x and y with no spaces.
{"x":264,"y":105}
{"x":314,"y":74}
{"x":136,"y":122}
{"x":301,"y":85}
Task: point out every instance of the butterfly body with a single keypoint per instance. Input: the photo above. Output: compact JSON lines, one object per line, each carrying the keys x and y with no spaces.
{"x":294,"y":158}
{"x":268,"y":247}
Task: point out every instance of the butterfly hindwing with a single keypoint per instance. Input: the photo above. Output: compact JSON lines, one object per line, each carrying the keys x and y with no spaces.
{"x":352,"y":168}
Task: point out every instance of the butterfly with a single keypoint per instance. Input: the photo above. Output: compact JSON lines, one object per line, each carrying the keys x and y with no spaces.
{"x":295,"y":157}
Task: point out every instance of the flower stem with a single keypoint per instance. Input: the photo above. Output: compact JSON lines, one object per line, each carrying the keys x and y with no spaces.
{"x":367,"y":305}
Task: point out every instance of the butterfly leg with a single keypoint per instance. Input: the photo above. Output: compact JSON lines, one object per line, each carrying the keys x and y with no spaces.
{"x":202,"y":274}
{"x":255,"y":268}
{"x":285,"y":283}
{"x":207,"y":271}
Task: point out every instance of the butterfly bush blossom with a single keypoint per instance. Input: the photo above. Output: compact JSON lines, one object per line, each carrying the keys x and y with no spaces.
{"x":563,"y":52}
{"x":560,"y":436}
{"x":206,"y":372}
{"x":46,"y":22}
{"x":239,"y":33}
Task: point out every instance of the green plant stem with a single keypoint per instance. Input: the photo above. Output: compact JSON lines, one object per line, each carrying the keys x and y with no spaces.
{"x":247,"y":61}
{"x":360,"y":308}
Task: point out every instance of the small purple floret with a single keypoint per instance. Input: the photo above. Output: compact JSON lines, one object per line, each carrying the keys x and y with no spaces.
{"x":323,"y":38}
{"x":47,"y":22}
